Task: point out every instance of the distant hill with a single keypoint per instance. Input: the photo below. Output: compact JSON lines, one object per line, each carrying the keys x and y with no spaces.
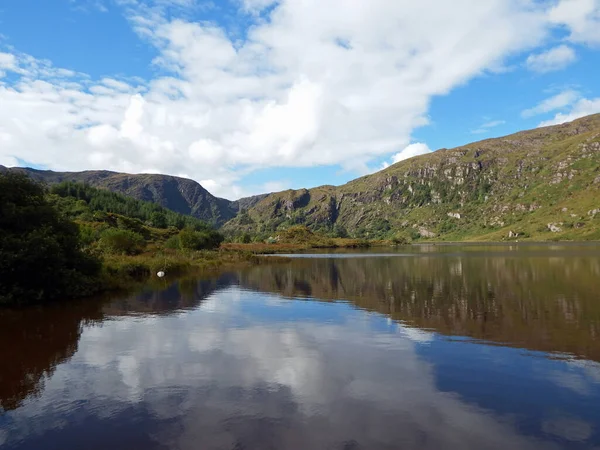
{"x":177,"y":194}
{"x":538,"y":184}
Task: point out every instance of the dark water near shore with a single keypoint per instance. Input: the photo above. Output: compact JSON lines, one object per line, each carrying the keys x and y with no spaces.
{"x":465,"y":347}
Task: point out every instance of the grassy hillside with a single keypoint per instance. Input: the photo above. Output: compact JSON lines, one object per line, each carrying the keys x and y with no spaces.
{"x":542,"y":184}
{"x":177,"y":194}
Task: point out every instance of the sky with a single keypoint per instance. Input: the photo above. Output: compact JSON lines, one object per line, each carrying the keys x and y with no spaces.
{"x":254,"y":96}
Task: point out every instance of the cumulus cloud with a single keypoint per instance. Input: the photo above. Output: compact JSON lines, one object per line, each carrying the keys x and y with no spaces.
{"x":582,"y":107}
{"x":7,"y":61}
{"x":558,"y":101}
{"x":556,"y":58}
{"x":410,"y":151}
{"x":316,"y":84}
{"x":225,"y":373}
{"x":580,"y":17}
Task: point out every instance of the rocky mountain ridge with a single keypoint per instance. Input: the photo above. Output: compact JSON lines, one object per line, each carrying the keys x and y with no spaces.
{"x":542,"y":183}
{"x":539,"y":184}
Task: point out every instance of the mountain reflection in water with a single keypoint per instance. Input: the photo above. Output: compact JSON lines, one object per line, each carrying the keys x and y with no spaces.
{"x":441,"y":349}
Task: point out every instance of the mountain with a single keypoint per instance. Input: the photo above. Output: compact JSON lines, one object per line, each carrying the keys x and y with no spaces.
{"x":538,"y":184}
{"x":177,"y":194}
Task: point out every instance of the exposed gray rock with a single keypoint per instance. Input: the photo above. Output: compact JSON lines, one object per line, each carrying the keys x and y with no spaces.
{"x":426,"y":233}
{"x":554,"y":228}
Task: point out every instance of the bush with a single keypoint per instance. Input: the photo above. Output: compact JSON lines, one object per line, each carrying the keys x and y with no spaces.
{"x":401,"y":239}
{"x":414,"y":234}
{"x":199,"y":240}
{"x":173,"y":243}
{"x":40,"y":250}
{"x":88,"y":235}
{"x":245,"y":238}
{"x":119,"y":241}
{"x":158,"y":220}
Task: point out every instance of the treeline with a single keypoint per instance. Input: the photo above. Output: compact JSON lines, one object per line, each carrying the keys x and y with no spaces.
{"x":41,"y":255}
{"x":74,"y":240}
{"x":80,"y":201}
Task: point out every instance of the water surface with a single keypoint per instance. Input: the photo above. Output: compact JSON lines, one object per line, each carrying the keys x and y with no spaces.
{"x":469,"y":347}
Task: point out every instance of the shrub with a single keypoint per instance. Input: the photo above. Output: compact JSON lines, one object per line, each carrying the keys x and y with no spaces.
{"x":245,"y":238}
{"x":401,"y":238}
{"x":199,"y":240}
{"x":173,"y":243}
{"x":158,"y":220}
{"x":40,"y":250}
{"x":88,"y":235}
{"x":119,"y":241}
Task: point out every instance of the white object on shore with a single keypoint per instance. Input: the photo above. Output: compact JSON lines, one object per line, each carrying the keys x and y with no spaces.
{"x":160,"y":274}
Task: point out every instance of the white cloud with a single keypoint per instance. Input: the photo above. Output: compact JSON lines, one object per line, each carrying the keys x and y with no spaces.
{"x":310,"y":86}
{"x":485,"y":127}
{"x":7,"y":61}
{"x":558,"y":101}
{"x":583,"y":107}
{"x":223,"y":366}
{"x":255,"y":6}
{"x":556,"y":58}
{"x":581,"y":17}
{"x":8,"y":161}
{"x":410,"y":151}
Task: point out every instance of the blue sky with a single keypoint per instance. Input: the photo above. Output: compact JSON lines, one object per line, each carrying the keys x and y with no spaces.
{"x":247,"y":96}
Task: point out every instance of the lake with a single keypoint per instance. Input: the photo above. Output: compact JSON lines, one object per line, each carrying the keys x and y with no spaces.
{"x":424,"y":347}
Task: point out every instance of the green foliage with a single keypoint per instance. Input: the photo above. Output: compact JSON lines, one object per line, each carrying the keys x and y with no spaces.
{"x":414,"y":234}
{"x":40,"y":250}
{"x":245,"y":238}
{"x":158,"y":219}
{"x":189,"y":239}
{"x":173,"y":242}
{"x":421,"y":194}
{"x":88,"y":235}
{"x":401,"y":238}
{"x":448,"y":225}
{"x":379,"y":228}
{"x":121,"y":241}
{"x":244,"y":218}
{"x":296,"y":234}
{"x":83,"y":202}
{"x":340,"y":231}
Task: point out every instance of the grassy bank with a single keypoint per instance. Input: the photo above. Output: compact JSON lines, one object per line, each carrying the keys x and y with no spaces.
{"x":295,"y":239}
{"x":123,"y":271}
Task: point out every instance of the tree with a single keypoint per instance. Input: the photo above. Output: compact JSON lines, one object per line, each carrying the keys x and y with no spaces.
{"x":340,"y":231}
{"x":40,"y":251}
{"x":199,"y":240}
{"x":121,"y":241}
{"x":158,"y":219}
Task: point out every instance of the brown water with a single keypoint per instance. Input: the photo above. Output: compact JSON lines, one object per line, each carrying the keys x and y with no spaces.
{"x":431,"y":347}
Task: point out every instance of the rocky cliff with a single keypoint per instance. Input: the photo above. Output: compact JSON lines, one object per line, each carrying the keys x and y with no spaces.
{"x":543,"y":184}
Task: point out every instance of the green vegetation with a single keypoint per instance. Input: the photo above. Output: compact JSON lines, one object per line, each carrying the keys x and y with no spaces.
{"x":74,"y":241}
{"x":537,"y":185}
{"x":125,"y":242}
{"x":181,"y":195}
{"x":297,"y":238}
{"x":84,"y":202}
{"x":41,"y":255}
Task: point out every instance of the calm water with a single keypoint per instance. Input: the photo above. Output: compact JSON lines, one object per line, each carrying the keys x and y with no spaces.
{"x":447,"y":347}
